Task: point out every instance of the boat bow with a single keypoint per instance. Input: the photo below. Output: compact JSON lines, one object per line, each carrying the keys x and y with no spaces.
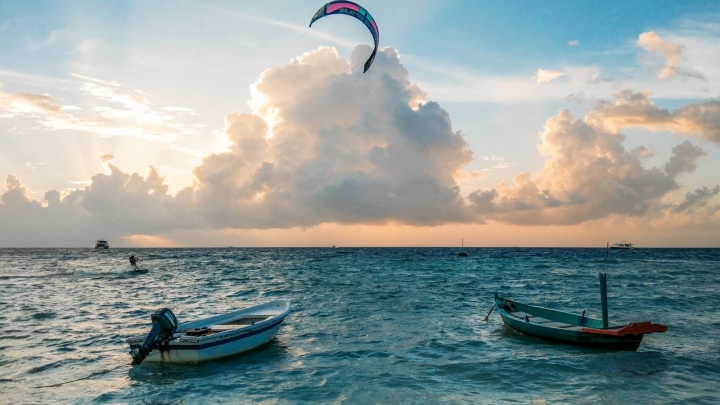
{"x":633,"y":328}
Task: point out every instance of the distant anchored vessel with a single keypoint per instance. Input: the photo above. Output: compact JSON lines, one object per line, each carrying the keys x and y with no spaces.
{"x":462,"y":244}
{"x":102,"y":244}
{"x":622,"y":245}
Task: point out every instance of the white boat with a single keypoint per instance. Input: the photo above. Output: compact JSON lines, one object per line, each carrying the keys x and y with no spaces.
{"x":102,"y":244}
{"x":622,"y":245}
{"x":211,"y":338}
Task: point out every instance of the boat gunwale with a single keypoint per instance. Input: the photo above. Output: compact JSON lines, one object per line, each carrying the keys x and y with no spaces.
{"x":532,"y":307}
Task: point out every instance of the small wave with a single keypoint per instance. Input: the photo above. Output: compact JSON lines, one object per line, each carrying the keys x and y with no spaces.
{"x":49,"y":366}
{"x":44,"y":315}
{"x":34,"y":276}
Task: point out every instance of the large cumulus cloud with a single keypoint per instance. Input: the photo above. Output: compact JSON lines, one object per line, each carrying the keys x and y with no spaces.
{"x":346,"y":147}
{"x":588,"y":173}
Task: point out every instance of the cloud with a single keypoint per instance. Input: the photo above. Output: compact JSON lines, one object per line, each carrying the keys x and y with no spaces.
{"x":683,"y":159}
{"x":634,"y":109}
{"x":574,"y":42}
{"x":668,"y":51}
{"x":16,"y":193}
{"x":115,"y":113}
{"x":136,"y":204}
{"x":33,"y":165}
{"x":577,"y":98}
{"x":345,"y":148}
{"x":696,"y":200}
{"x":177,"y":109}
{"x":544,"y":76}
{"x":107,"y":157}
{"x":497,"y":163}
{"x":29,"y":78}
{"x":12,"y":105}
{"x":588,"y":175}
{"x":325,"y":144}
{"x":110,"y":93}
{"x":87,"y":46}
{"x":100,"y":81}
{"x":700,"y":52}
{"x":112,"y":205}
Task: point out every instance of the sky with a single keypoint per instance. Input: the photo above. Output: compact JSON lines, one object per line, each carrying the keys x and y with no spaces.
{"x":232,"y":123}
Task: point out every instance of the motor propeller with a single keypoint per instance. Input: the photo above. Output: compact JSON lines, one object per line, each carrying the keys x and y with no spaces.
{"x":164,"y":325}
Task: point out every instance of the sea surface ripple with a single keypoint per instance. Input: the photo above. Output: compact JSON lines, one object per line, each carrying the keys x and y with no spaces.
{"x":368,"y":325}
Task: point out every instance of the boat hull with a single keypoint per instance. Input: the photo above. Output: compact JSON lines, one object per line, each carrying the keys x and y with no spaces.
{"x":188,"y":349}
{"x":562,"y":327}
{"x":193,"y":353}
{"x":574,"y":337}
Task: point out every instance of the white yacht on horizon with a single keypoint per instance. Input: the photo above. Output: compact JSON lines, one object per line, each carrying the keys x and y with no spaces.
{"x":102,"y":244}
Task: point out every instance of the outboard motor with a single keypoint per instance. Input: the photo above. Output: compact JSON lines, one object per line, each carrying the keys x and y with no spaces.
{"x":164,"y":324}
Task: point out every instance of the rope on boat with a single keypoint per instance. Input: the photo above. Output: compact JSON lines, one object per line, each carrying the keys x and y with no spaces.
{"x":83,"y":378}
{"x":509,"y":303}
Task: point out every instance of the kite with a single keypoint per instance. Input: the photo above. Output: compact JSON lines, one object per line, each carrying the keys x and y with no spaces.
{"x":353,"y":10}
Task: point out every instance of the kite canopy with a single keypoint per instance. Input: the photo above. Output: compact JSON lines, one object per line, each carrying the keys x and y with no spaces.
{"x":353,"y":10}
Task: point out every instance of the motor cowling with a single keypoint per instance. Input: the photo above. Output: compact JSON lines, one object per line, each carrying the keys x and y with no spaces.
{"x":164,"y":325}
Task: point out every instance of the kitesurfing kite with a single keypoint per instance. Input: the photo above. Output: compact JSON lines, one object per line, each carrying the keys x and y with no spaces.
{"x":353,"y":10}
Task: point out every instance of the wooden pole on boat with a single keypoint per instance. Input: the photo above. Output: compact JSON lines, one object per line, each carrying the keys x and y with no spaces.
{"x":603,"y":299}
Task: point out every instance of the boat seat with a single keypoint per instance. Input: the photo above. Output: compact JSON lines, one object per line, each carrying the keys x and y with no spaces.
{"x":558,"y":325}
{"x":531,"y":318}
{"x":223,"y":328}
{"x":199,"y":332}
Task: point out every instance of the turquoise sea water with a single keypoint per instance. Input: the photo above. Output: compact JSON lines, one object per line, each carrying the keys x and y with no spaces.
{"x":368,"y":326}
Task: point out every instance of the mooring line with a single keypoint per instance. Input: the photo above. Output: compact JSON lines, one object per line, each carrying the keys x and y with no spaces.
{"x":83,"y":378}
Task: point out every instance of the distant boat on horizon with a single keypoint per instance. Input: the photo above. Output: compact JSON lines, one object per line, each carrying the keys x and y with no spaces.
{"x":624,"y":245}
{"x":462,"y":244}
{"x":102,"y":244}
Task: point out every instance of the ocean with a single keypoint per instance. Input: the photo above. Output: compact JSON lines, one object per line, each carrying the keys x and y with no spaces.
{"x":368,"y":325}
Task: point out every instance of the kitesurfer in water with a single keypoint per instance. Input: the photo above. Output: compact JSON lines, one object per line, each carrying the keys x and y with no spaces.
{"x":133,"y":261}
